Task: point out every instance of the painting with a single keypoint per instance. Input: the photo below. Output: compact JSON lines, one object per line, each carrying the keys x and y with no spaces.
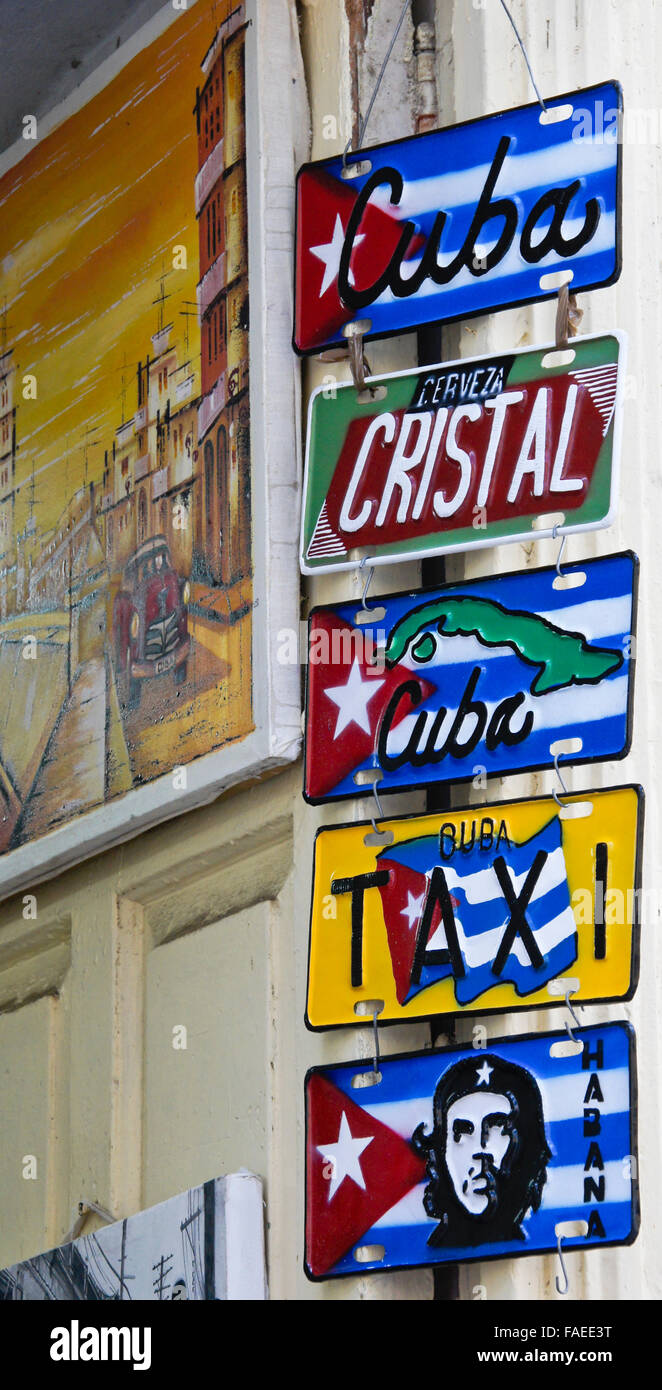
{"x":130,"y":505}
{"x":204,"y":1244}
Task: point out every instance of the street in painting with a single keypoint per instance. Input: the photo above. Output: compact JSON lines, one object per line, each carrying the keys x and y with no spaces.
{"x":477,"y":910}
{"x":460,"y":221}
{"x":471,"y":680}
{"x":463,"y":454}
{"x":469,"y":1154}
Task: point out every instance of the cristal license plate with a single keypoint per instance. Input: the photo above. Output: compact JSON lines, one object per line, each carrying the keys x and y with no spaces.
{"x":471,"y":680}
{"x":464,"y":454}
{"x":165,"y":663}
{"x":460,"y":221}
{"x":472,"y":1154}
{"x":495,"y":907}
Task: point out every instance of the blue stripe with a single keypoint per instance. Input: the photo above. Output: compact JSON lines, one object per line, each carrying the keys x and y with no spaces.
{"x":567,"y":1136}
{"x":480,"y":917}
{"x":481,"y":979}
{"x":490,"y":292}
{"x":417,"y":1075}
{"x":407,"y":1245}
{"x":601,"y":738}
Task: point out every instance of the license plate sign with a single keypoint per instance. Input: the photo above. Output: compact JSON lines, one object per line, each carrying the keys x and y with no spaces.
{"x":165,"y":663}
{"x":471,"y":680}
{"x":492,"y":908}
{"x":472,"y":1154}
{"x":463,"y":455}
{"x":460,"y":221}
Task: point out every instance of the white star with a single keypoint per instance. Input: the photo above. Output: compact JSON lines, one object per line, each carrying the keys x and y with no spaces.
{"x":330,"y":252}
{"x":483,"y":1074}
{"x":413,"y":909}
{"x":344,"y":1157}
{"x":353,"y":699}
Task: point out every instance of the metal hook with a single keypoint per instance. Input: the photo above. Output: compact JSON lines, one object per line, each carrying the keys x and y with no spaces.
{"x":561,"y":548}
{"x":573,"y":1015}
{"x":559,"y":1251}
{"x":564,"y":789}
{"x":362,"y":564}
{"x":84,"y":1209}
{"x":568,"y":317}
{"x":380,"y":809}
{"x":353,"y":332}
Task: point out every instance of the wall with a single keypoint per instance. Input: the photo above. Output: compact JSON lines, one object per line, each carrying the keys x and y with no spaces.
{"x":203,"y":923}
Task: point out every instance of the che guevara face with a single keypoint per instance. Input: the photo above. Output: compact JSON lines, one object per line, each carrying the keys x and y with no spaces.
{"x":479,"y":1131}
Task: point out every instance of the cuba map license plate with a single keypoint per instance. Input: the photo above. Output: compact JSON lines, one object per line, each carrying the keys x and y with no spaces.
{"x":462,"y":455}
{"x":474,"y":679}
{"x":464,"y":1154}
{"x":491,"y":908}
{"x":460,"y":221}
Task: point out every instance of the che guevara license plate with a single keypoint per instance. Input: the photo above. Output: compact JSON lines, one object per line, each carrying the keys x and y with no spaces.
{"x":460,"y":221}
{"x":472,"y":1154}
{"x":490,"y":908}
{"x":462,"y":455}
{"x":471,"y":680}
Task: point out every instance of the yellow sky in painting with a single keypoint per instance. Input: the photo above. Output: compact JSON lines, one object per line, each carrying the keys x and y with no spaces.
{"x":88,"y":220}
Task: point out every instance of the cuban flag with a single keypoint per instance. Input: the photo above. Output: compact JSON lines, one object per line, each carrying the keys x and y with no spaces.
{"x":507,"y":914}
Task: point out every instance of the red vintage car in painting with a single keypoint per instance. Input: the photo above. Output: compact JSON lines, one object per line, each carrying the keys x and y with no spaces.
{"x":150,"y":620}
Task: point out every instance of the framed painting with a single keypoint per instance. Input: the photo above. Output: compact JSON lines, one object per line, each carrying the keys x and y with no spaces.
{"x":205,"y":1244}
{"x":148,"y":445}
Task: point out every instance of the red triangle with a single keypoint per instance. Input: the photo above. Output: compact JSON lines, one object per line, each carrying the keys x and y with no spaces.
{"x":388,"y":1165}
{"x":402,"y":937}
{"x":321,"y":199}
{"x":334,"y":647}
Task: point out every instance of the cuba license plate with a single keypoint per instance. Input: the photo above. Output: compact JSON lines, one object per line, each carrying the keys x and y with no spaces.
{"x":462,"y":455}
{"x":481,"y":910}
{"x":471,"y":680}
{"x":462,"y":1154}
{"x":460,"y":221}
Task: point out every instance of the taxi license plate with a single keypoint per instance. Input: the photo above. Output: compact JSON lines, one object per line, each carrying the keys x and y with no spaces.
{"x":498,"y":907}
{"x":460,"y":1154}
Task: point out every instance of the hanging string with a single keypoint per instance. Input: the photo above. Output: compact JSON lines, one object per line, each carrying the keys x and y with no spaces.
{"x":364,"y":123}
{"x":526,"y":56}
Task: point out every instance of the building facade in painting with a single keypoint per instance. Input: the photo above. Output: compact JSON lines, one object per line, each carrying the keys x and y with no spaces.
{"x":222,"y":531}
{"x":7,"y":482}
